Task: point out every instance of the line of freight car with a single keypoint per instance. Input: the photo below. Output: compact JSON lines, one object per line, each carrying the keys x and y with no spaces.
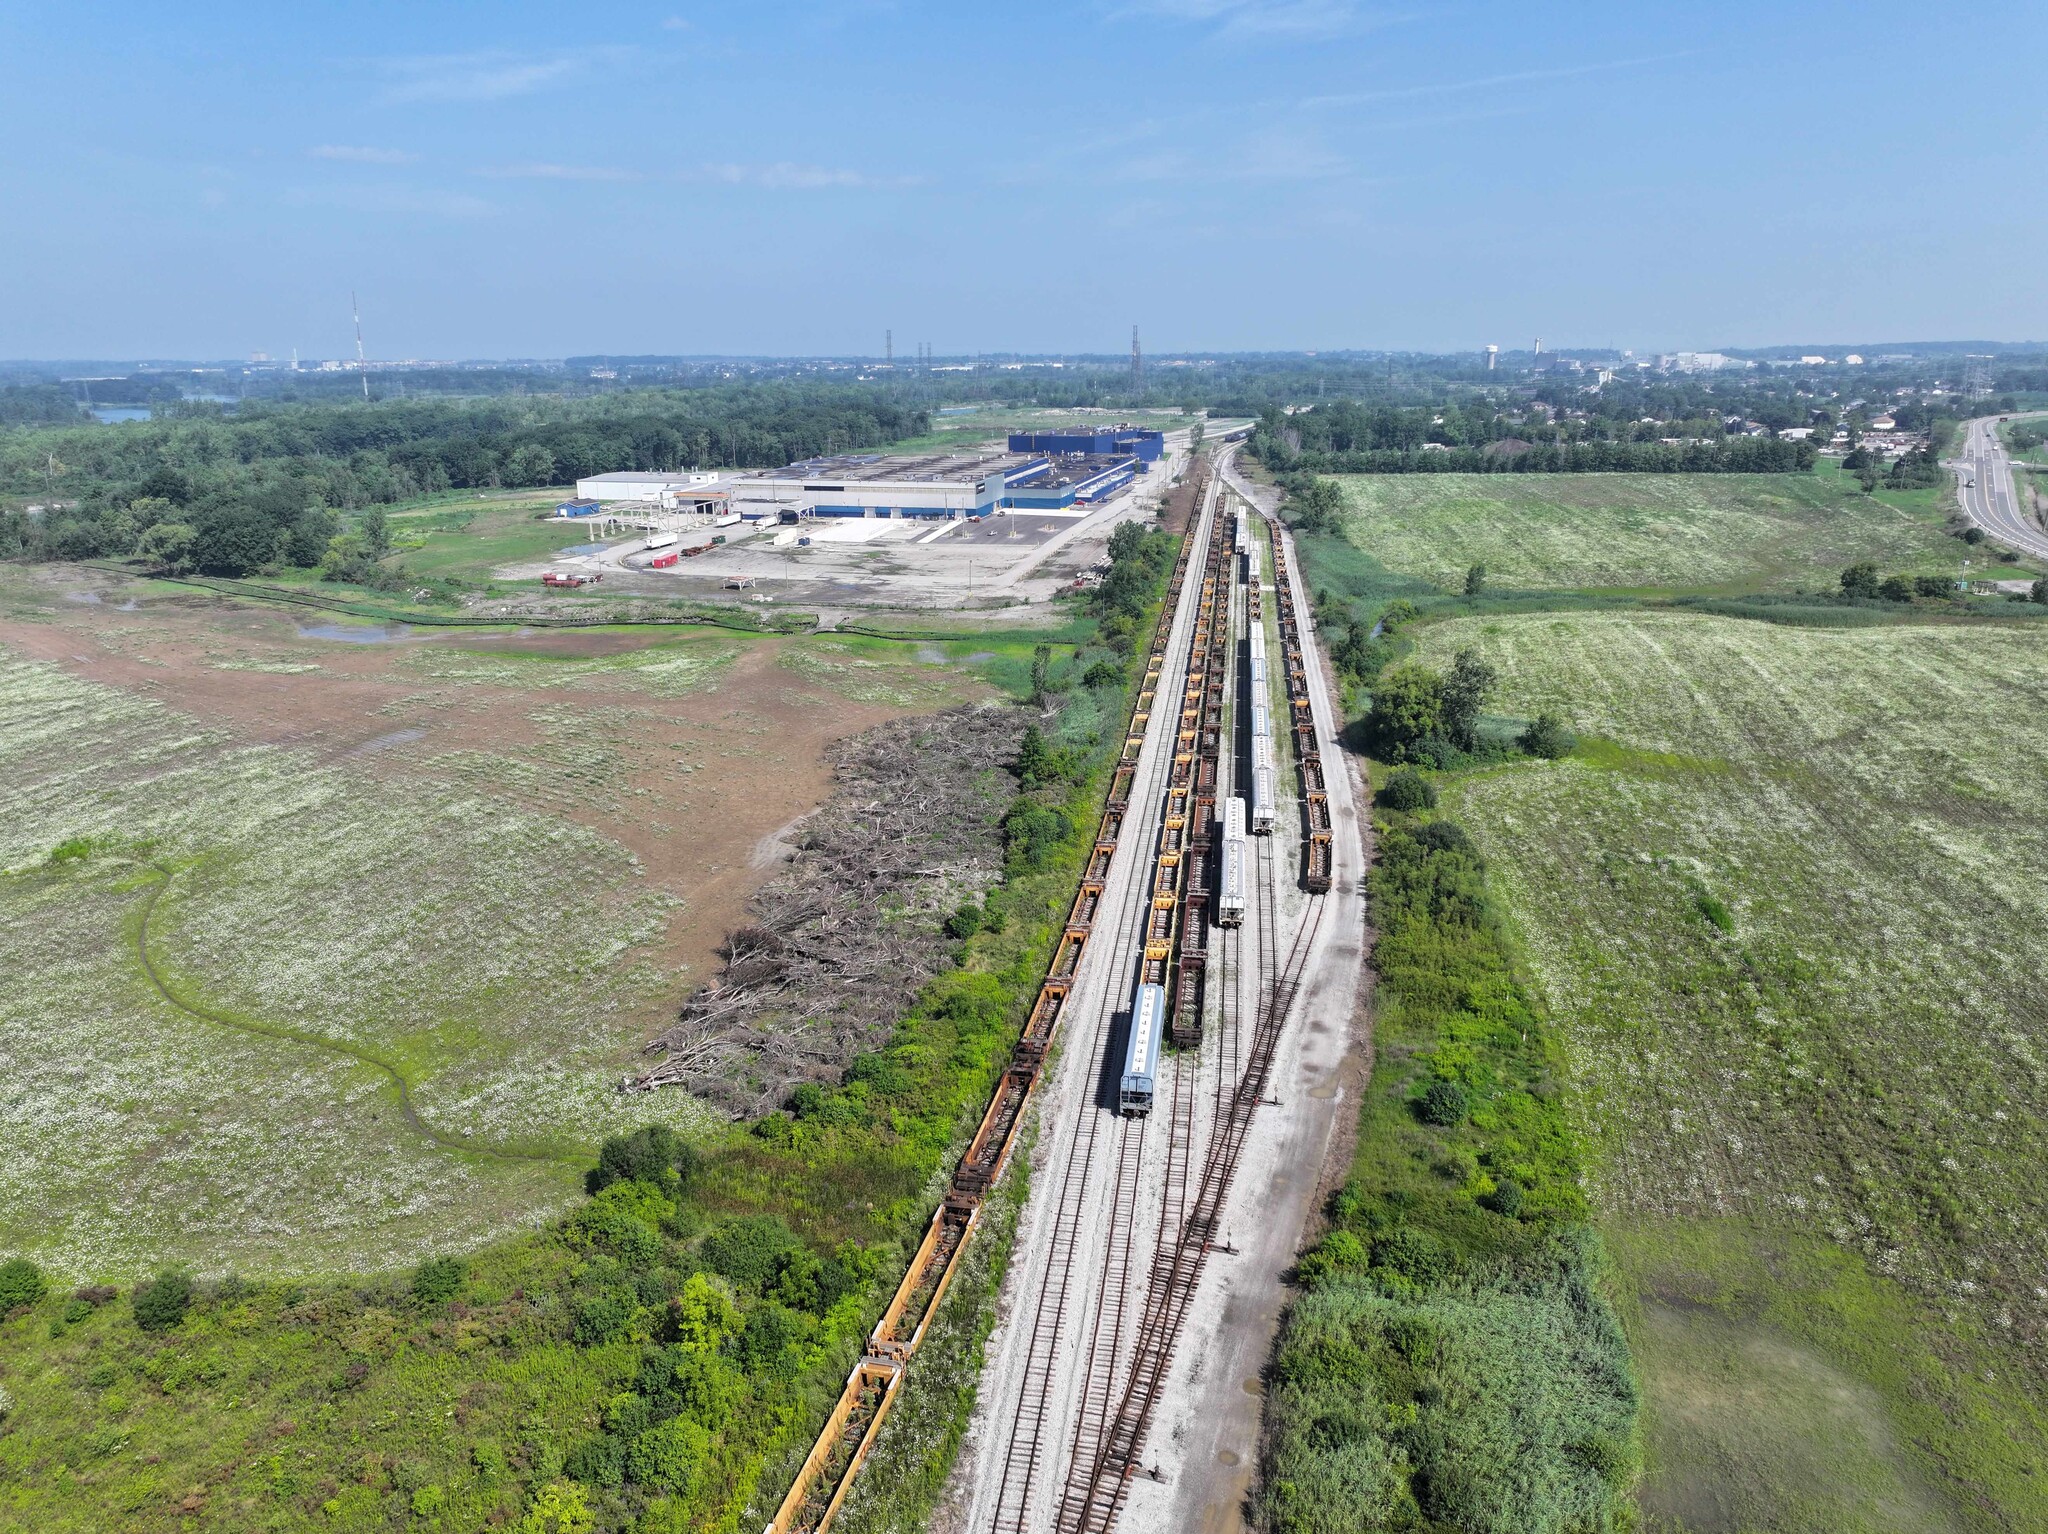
{"x":842,"y":1445}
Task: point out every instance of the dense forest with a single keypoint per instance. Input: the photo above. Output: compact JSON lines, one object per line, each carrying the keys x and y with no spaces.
{"x":227,"y":493}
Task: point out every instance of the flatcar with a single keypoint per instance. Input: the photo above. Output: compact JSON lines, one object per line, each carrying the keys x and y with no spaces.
{"x":1141,"y":1057}
{"x":1230,"y":899}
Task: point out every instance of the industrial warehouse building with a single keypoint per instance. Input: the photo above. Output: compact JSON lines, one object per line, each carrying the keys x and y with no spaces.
{"x":1042,"y":471}
{"x":1093,"y":442}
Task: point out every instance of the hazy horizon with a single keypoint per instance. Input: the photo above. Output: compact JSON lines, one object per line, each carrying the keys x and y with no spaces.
{"x":1231,"y":175}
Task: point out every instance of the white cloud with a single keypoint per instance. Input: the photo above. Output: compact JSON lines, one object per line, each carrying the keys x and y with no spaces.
{"x":675,"y":24}
{"x":357,"y":154}
{"x":487,"y":75}
{"x":544,"y":171}
{"x":392,"y":200}
{"x":1488,"y":82}
{"x":1263,"y":18}
{"x":785,"y":176}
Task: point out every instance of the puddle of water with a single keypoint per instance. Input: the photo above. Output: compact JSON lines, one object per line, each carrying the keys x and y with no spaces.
{"x":1227,"y":1457}
{"x":129,"y":606}
{"x":931,"y":655}
{"x":1254,"y":1386}
{"x":356,"y":633}
{"x":385,"y":742}
{"x":90,"y":598}
{"x":981,"y":655}
{"x":1323,"y":1093}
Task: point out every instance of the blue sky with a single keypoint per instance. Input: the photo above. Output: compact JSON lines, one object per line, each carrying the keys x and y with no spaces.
{"x":521,"y":179}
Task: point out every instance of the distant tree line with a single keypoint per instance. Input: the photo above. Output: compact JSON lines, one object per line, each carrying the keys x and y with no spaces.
{"x":229,"y":494}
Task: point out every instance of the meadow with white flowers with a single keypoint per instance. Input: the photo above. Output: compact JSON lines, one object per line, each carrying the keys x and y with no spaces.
{"x":1784,"y":904}
{"x":218,"y":1084}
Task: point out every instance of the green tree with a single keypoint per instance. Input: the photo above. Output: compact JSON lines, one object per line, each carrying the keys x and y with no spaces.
{"x":1547,"y":737}
{"x":1933,"y":586}
{"x":1407,"y":709}
{"x":167,"y":545}
{"x":1464,"y":695}
{"x":1896,"y":588}
{"x":2039,"y":591}
{"x":1860,"y":580}
{"x":702,"y":1316}
{"x":1041,"y":674}
{"x":653,"y":1154}
{"x":1475,"y":581}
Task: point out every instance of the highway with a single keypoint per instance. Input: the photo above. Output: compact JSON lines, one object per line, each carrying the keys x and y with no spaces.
{"x":1984,"y":480}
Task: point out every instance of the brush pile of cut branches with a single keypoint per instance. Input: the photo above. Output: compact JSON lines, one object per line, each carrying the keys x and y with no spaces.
{"x":843,"y":938}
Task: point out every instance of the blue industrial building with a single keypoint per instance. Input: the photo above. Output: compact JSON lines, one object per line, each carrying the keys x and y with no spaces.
{"x":1055,"y":484}
{"x":1099,"y":442}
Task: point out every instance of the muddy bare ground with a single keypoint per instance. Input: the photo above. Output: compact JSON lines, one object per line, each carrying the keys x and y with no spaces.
{"x":694,"y":781}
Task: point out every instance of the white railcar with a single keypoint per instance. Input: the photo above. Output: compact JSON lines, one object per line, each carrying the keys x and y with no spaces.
{"x":1235,"y":882}
{"x":1141,"y":1057}
{"x":1262,"y":785}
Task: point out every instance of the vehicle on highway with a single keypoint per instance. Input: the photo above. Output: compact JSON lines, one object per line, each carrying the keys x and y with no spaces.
{"x":1141,"y":1055}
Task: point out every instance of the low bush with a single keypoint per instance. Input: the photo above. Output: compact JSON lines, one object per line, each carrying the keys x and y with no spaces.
{"x":1547,"y":737}
{"x":1406,"y":789}
{"x":21,"y":1283}
{"x":438,"y":1280}
{"x":1442,"y":1103}
{"x":161,"y":1303}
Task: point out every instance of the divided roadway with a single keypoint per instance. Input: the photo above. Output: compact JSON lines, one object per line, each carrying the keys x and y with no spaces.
{"x":1984,"y":481}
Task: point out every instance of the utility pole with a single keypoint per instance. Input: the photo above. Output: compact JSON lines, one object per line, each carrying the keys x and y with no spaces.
{"x":362,"y":366}
{"x":889,"y":347}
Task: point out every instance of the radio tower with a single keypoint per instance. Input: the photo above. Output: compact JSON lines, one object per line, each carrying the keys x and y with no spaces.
{"x":1137,"y":362}
{"x":362,"y":367}
{"x":889,"y":347}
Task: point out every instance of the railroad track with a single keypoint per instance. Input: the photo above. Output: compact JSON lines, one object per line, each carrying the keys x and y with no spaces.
{"x":827,"y":1473}
{"x":1100,"y":1484}
{"x":1030,"y":1425}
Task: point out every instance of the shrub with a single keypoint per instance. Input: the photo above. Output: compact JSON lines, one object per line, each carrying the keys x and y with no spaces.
{"x":622,"y":1219}
{"x":1933,"y":586}
{"x":601,"y":1319}
{"x":1896,"y":588}
{"x":1547,"y":737}
{"x":1475,"y":581}
{"x":599,"y":1461}
{"x":965,"y":922}
{"x":1032,"y":833}
{"x":1446,"y":836}
{"x":1406,"y":789}
{"x":161,"y":1303}
{"x":439,"y":1279}
{"x":1416,"y":1255}
{"x":558,"y":1508}
{"x":1104,"y":673}
{"x":1860,"y":581}
{"x":1506,"y":1197}
{"x":747,"y":1250}
{"x":649,"y":1154}
{"x":666,"y":1457}
{"x":21,"y":1283}
{"x":1442,"y":1103}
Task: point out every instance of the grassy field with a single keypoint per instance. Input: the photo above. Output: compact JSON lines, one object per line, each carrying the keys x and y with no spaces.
{"x":253,"y":884}
{"x":1702,"y":532}
{"x":1784,"y":906}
